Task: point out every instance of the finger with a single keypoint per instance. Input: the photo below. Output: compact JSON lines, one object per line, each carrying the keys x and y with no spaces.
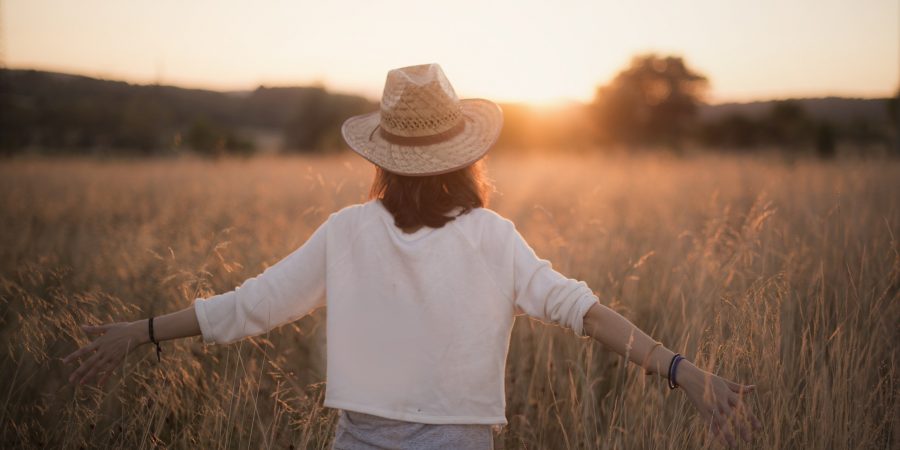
{"x":729,"y":436}
{"x":77,"y":376}
{"x":746,"y":434}
{"x":739,"y":388}
{"x":718,"y":435}
{"x":81,"y":351}
{"x":757,"y":425}
{"x":85,"y":366}
{"x":734,"y":400}
{"x":747,"y":416}
{"x":94,"y":371}
{"x":724,"y":427}
{"x":724,"y":410}
{"x":714,"y":432}
{"x":742,"y":424}
{"x":106,"y":372}
{"x":106,"y":376}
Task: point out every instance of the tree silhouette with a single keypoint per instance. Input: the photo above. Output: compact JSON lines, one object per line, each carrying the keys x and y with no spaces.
{"x":653,"y":101}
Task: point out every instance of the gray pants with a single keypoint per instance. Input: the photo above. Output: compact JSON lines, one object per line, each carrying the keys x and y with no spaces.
{"x":359,"y":431}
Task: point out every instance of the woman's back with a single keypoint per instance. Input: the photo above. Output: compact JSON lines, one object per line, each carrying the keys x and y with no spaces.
{"x":418,"y":324}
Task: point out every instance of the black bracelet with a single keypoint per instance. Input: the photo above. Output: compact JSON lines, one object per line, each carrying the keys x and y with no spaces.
{"x":153,"y":340}
{"x":673,"y":366}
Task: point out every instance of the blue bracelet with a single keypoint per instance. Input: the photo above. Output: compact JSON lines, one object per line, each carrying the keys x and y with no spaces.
{"x":673,"y":366}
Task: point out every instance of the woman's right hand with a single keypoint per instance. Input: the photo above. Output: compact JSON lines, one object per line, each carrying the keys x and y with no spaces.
{"x":720,"y":402}
{"x":107,"y":352}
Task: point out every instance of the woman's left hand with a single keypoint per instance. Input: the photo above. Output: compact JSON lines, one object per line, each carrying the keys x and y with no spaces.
{"x":106,"y":352}
{"x":720,"y":402}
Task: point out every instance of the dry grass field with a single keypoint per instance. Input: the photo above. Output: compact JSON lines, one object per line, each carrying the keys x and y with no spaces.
{"x":783,"y":274}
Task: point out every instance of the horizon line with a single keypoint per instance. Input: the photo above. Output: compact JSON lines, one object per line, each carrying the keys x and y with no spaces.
{"x":360,"y":93}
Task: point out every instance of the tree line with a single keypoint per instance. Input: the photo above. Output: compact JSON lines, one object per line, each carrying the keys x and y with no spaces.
{"x":657,"y":99}
{"x":71,"y":113}
{"x":655,"y":102}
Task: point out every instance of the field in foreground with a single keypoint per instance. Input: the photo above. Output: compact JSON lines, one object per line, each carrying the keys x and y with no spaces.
{"x":783,"y":275}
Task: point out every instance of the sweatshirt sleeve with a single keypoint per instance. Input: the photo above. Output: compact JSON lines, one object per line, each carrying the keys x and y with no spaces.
{"x":544,"y":293}
{"x":284,"y":292}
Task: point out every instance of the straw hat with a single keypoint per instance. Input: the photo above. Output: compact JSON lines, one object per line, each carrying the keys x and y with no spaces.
{"x":422,"y":127}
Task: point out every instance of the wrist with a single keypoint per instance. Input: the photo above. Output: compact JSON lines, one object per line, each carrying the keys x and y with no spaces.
{"x":139,"y":331}
{"x":689,"y":377}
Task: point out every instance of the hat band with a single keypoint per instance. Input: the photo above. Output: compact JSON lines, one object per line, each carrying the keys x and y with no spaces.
{"x":422,"y":140}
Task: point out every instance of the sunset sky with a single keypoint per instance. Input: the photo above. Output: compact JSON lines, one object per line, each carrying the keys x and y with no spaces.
{"x":504,"y":50}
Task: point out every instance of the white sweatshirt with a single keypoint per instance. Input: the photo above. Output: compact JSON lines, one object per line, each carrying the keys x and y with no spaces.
{"x":418,"y":325}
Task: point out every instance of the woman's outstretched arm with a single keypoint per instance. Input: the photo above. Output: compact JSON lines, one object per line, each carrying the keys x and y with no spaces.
{"x":718,"y":400}
{"x":115,"y":340}
{"x":284,"y":292}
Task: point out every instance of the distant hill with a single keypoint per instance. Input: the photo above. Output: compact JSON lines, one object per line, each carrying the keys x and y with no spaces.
{"x":56,"y":110}
{"x":837,"y":110}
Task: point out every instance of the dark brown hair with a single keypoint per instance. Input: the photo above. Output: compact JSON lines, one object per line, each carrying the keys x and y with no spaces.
{"x":426,"y":200}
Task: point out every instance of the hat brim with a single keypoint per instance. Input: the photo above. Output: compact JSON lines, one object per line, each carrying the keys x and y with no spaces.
{"x":484,"y":120}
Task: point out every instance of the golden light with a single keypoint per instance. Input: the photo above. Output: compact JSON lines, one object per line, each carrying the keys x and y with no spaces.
{"x":532,"y":51}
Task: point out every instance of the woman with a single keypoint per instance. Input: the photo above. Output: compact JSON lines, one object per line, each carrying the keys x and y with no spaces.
{"x":422,"y":284}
